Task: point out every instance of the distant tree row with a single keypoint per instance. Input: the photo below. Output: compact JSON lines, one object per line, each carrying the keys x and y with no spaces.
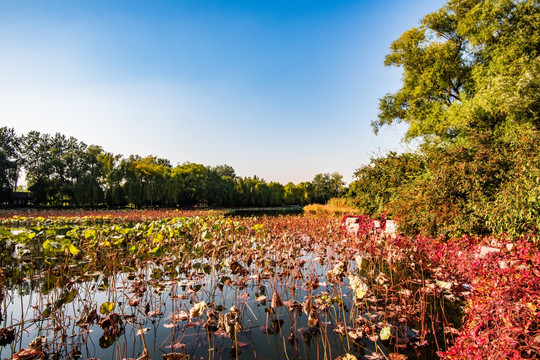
{"x":62,"y":171}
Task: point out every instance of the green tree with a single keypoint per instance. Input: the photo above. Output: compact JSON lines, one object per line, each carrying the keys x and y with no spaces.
{"x":454,"y":192}
{"x":192,"y":181}
{"x":253,"y":191}
{"x":112,"y":178}
{"x":10,"y":163}
{"x":221,"y":185}
{"x":474,"y":64}
{"x":224,"y":170}
{"x":89,"y":177}
{"x":326,"y":186}
{"x":471,"y":94}
{"x":132,"y":186}
{"x":515,"y":209}
{"x":377,"y":184}
{"x":53,"y":165}
{"x":296,"y":194}
{"x":154,"y":177}
{"x":277,"y":194}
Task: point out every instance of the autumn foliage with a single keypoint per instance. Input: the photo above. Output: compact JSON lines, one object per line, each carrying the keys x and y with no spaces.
{"x":498,"y":277}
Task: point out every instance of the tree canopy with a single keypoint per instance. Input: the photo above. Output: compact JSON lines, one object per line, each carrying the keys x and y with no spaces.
{"x":62,"y":171}
{"x":471,"y":94}
{"x":472,"y":65}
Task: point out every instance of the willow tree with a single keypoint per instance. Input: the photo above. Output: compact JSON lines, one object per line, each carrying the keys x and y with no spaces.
{"x":472,"y":65}
{"x":10,"y":163}
{"x":471,"y":94}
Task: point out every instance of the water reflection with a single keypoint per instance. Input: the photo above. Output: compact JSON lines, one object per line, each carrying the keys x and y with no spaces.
{"x":236,"y":293}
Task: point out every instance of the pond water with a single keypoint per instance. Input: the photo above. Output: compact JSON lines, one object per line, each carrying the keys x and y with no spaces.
{"x":160,"y":308}
{"x":269,"y":296}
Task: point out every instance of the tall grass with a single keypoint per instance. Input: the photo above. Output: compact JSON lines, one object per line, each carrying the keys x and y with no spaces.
{"x":334,"y":207}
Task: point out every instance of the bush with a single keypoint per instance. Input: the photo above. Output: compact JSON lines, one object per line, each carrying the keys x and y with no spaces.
{"x":379,"y":182}
{"x":459,"y":182}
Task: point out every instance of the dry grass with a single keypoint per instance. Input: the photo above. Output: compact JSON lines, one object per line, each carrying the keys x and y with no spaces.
{"x":335,"y":207}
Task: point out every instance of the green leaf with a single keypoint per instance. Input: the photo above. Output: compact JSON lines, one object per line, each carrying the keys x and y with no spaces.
{"x":133,"y":248}
{"x":72,"y":249}
{"x":158,"y":238}
{"x":49,"y":245}
{"x":47,"y":312}
{"x":385,"y":333}
{"x":207,"y":269}
{"x":107,"y":307}
{"x":117,"y":239}
{"x":21,"y":238}
{"x":5,"y":232}
{"x":157,"y":251}
{"x":124,"y":231}
{"x":90,"y":234}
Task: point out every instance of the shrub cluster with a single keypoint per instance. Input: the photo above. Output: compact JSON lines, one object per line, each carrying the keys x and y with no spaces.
{"x":486,"y":185}
{"x":498,"y":277}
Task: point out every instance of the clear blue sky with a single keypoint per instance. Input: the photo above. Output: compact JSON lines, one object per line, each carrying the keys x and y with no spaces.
{"x":280,"y":89}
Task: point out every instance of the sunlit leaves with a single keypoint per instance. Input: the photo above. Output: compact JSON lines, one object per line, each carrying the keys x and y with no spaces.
{"x":469,"y":64}
{"x":90,"y":234}
{"x":359,"y":286}
{"x":63,"y":245}
{"x":156,"y":251}
{"x":386,"y":333}
{"x":52,"y":246}
{"x":133,"y":248}
{"x":107,"y":307}
{"x":5,"y":233}
{"x":158,"y":238}
{"x":72,"y":249}
{"x":197,"y":309}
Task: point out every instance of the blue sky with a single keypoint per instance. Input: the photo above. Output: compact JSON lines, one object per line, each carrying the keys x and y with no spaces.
{"x":280,"y":89}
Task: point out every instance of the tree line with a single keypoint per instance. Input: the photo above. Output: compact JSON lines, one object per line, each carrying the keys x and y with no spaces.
{"x":62,"y":171}
{"x":471,"y":98}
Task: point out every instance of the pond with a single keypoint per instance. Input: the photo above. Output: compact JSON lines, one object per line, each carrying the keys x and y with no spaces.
{"x":210,"y":287}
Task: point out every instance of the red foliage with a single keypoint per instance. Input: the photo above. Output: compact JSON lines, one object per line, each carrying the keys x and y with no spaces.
{"x":499,"y":278}
{"x":502,"y":315}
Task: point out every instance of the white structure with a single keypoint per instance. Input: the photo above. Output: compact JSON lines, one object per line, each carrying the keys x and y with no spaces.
{"x":351,"y":224}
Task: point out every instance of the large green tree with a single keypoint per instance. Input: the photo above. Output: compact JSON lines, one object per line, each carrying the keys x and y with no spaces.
{"x":88,"y":177}
{"x":377,"y":184}
{"x":53,"y":166}
{"x":471,"y":95}
{"x":10,"y":163}
{"x":325,"y":186}
{"x":472,"y":65}
{"x":192,"y":182}
{"x":297,"y":194}
{"x":112,"y":178}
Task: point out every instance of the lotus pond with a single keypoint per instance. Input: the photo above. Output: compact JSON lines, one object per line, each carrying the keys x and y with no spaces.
{"x":202,"y":285}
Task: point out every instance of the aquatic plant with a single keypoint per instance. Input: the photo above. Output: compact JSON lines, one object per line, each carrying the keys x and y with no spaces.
{"x":164,"y":285}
